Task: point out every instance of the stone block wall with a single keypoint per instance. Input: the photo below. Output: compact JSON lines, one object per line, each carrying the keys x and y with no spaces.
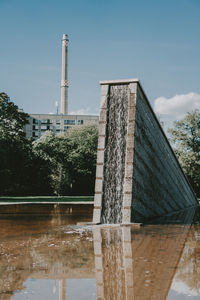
{"x":159,"y":184}
{"x":154,"y":183}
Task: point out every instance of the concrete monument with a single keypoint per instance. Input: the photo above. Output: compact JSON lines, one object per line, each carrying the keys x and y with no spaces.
{"x":138,"y":175}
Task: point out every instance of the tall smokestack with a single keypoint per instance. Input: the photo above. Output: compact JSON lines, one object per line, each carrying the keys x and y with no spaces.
{"x":64,"y":81}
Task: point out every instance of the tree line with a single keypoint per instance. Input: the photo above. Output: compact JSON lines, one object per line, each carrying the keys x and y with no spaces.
{"x":185,"y":140}
{"x":65,"y":164}
{"x":52,"y":165}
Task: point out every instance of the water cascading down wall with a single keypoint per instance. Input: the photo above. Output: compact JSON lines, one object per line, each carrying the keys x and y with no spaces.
{"x":138,"y":176}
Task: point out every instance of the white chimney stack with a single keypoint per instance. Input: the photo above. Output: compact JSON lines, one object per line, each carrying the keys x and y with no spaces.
{"x":57,"y":107}
{"x":64,"y":79}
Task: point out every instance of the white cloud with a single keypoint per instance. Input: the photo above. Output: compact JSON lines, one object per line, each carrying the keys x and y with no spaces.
{"x":178,"y":105}
{"x":85,"y":111}
{"x":182,"y":288}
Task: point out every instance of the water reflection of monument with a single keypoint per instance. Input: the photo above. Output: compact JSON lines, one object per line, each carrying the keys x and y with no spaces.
{"x":137,"y":263}
{"x":128,"y":263}
{"x":113,"y":263}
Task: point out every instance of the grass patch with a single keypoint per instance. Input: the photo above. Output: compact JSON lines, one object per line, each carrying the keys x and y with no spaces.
{"x":48,"y":199}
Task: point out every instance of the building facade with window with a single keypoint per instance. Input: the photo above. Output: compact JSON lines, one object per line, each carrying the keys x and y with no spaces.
{"x":56,"y":123}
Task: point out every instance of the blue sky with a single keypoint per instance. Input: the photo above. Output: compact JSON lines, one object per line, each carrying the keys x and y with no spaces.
{"x":157,"y":41}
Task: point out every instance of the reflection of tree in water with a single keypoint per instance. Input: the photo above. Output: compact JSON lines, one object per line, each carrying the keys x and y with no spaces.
{"x":140,"y":262}
{"x":15,"y":263}
{"x":42,"y":252}
{"x":63,"y":253}
{"x":189,"y":267}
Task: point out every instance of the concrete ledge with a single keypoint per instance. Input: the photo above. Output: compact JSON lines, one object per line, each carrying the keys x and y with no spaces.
{"x":100,"y":157}
{"x":123,"y":81}
{"x":98,"y":200}
{"x":96,"y":215}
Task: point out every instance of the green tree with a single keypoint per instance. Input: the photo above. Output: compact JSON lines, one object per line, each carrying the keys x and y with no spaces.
{"x":12,"y":120}
{"x":82,"y":158}
{"x":49,"y":149}
{"x":71,"y":158}
{"x":60,"y":165}
{"x":185,"y":138}
{"x":14,"y":147}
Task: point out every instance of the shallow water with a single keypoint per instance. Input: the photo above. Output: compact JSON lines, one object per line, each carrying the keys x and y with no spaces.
{"x":51,"y":257}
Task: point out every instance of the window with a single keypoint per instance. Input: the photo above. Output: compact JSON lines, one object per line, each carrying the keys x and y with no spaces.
{"x":44,"y":121}
{"x":34,"y":134}
{"x":35,"y":121}
{"x":65,"y":128}
{"x":71,"y":122}
{"x":57,"y":127}
{"x":43,"y":127}
{"x":35,"y":127}
{"x":65,"y":121}
{"x":57,"y":121}
{"x":80,"y":122}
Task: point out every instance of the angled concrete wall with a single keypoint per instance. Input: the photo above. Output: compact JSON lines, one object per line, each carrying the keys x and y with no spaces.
{"x":154,"y":183}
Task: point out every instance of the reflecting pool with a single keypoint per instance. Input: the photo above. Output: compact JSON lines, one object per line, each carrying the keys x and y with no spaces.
{"x":49,"y":256}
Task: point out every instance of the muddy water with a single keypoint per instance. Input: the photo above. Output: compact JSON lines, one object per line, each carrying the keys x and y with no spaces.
{"x":51,"y":257}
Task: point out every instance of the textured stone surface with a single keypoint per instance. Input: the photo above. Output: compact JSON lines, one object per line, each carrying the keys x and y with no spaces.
{"x":126,"y":215}
{"x":103,"y":114}
{"x":104,"y":93}
{"x":101,"y":142}
{"x":98,"y":185}
{"x":141,"y":177}
{"x":97,"y":200}
{"x":129,"y":170}
{"x":159,"y":185}
{"x":100,"y":156}
{"x":127,"y":199}
{"x":114,"y":157}
{"x":99,"y":171}
{"x":96,"y":215}
{"x":102,"y":128}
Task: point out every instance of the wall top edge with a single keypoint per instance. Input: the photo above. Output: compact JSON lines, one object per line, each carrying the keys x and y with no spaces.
{"x":118,"y":81}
